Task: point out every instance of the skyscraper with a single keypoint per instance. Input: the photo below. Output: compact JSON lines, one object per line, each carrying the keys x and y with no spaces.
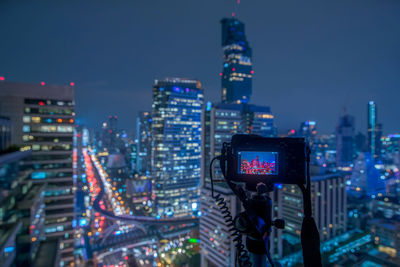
{"x":143,"y":135}
{"x":43,"y":119}
{"x":308,"y":129}
{"x":176,"y":145}
{"x":365,"y":177}
{"x":236,"y":76}
{"x":329,"y":204}
{"x":345,"y":134}
{"x":220,"y":122}
{"x":374,"y":131}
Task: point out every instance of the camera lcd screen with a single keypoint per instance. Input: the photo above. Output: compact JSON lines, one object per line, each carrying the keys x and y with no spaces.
{"x":258,"y":163}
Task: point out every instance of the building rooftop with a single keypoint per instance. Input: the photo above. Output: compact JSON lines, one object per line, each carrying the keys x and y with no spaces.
{"x":33,"y":90}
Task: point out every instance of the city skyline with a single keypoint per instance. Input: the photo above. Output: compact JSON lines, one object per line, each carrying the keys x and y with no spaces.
{"x":212,"y":134}
{"x":359,"y":56}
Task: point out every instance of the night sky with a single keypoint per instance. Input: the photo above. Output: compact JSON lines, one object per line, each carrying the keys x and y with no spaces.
{"x":311,"y":58}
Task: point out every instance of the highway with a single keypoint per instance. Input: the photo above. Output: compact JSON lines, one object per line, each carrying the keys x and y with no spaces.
{"x":99,"y":172}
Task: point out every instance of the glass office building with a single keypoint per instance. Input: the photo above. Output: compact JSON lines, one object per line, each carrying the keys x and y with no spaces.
{"x":176,"y":146}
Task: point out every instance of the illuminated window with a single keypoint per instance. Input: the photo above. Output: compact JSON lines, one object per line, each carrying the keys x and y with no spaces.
{"x":36,"y":119}
{"x":26,"y":119}
{"x":26,"y":128}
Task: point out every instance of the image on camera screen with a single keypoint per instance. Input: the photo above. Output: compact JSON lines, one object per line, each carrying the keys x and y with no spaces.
{"x":258,"y":162}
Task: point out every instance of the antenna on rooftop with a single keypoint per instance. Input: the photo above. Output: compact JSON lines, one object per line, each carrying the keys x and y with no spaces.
{"x":235,"y":8}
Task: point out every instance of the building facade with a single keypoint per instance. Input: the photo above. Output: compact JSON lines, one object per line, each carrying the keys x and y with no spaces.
{"x":43,"y":120}
{"x":176,"y":146}
{"x":5,"y":133}
{"x":365,"y":177}
{"x":374,"y":131}
{"x":329,"y":204}
{"x":143,"y":136}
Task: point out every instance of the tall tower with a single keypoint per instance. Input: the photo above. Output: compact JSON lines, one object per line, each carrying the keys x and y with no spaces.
{"x":143,"y":128}
{"x":345,"y":135}
{"x":374,"y":131}
{"x":236,"y":76}
{"x":176,"y":146}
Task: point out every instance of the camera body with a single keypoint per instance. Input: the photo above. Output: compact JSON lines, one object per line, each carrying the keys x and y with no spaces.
{"x":254,"y":159}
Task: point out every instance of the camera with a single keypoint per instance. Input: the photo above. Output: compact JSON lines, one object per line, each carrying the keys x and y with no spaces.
{"x":253,"y":159}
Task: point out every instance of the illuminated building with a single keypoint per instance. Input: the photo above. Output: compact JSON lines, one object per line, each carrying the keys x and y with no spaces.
{"x":365,"y":177}
{"x":43,"y":120}
{"x":21,"y":202}
{"x":5,"y":133}
{"x":374,"y":131}
{"x":118,"y":171}
{"x":391,"y":148}
{"x":386,"y":206}
{"x":176,"y":145}
{"x":237,"y":73}
{"x":323,"y":152}
{"x":345,"y":132}
{"x":143,"y":128}
{"x":329,"y":204}
{"x":308,"y":130}
{"x":386,"y":235}
{"x":219,"y":124}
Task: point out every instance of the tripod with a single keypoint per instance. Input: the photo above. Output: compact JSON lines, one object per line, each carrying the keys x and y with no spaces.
{"x":256,"y":221}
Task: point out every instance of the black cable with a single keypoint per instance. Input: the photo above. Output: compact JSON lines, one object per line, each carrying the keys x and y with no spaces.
{"x":242,"y":254}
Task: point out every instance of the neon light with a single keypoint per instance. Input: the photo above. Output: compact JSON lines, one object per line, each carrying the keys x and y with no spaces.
{"x":252,"y":72}
{"x":42,"y":83}
{"x":233,"y":69}
{"x":2,"y":78}
{"x":8,"y":249}
{"x":220,"y":74}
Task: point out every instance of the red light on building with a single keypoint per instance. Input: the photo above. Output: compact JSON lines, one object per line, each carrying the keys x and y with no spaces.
{"x":220,"y":74}
{"x":42,"y":83}
{"x":292,"y":131}
{"x":59,"y":120}
{"x":126,"y":258}
{"x":71,"y":120}
{"x":233,"y":69}
{"x":252,"y":71}
{"x":41,"y":103}
{"x":2,"y":78}
{"x":72,"y":84}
